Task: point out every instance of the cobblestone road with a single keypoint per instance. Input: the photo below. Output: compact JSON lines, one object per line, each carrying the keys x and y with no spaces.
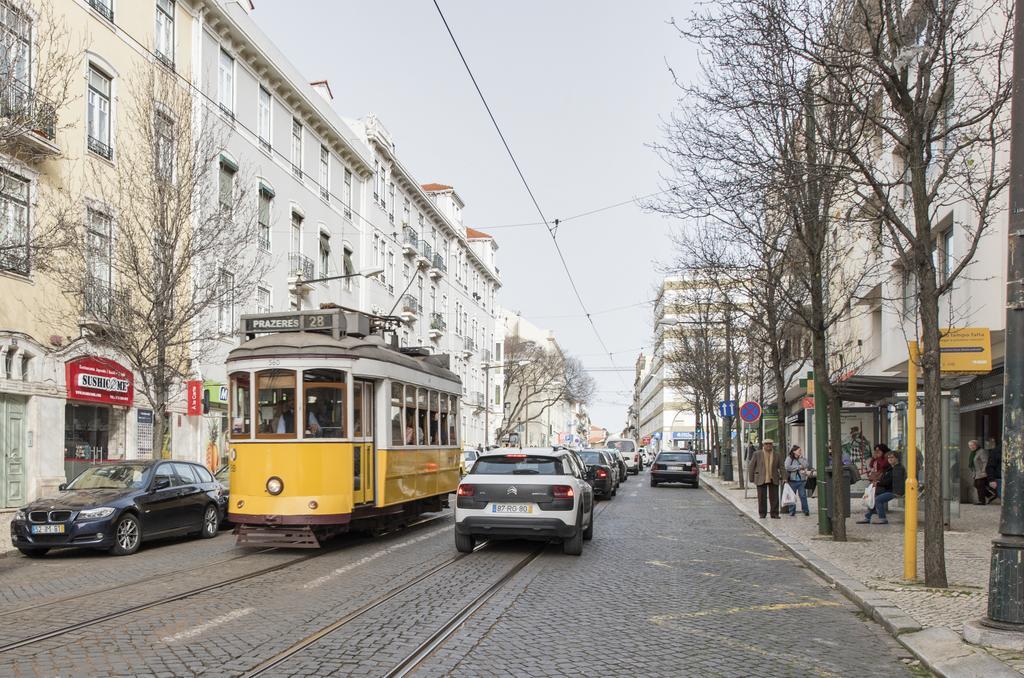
{"x":674,"y":583}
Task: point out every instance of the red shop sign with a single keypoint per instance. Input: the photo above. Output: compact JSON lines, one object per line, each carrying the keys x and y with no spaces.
{"x":99,"y":380}
{"x":194,"y":396}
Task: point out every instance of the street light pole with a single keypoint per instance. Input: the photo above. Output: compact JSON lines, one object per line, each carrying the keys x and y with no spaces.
{"x":725,"y":448}
{"x":1006,"y":572}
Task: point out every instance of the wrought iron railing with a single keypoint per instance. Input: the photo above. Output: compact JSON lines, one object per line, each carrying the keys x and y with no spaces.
{"x":437,"y":322}
{"x":410,"y":304}
{"x":439,"y":264}
{"x":300,"y":264}
{"x":468,"y":344}
{"x":410,"y":238}
{"x":104,"y":7}
{"x":426,"y":250}
{"x":28,"y":109}
{"x":99,"y":148}
{"x":14,"y":258}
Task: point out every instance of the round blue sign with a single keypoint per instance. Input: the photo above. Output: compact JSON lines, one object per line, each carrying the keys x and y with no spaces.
{"x":750,"y":412}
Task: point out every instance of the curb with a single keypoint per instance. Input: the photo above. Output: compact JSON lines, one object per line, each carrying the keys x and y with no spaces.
{"x":940,"y":650}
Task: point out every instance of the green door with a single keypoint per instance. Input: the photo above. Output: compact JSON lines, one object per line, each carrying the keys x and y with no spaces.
{"x":12,"y":451}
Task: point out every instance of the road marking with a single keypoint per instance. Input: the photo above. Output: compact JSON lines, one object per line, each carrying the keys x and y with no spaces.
{"x":216,"y":621}
{"x":661,"y":563}
{"x":661,"y":620}
{"x":762,"y":556}
{"x":372,"y":557}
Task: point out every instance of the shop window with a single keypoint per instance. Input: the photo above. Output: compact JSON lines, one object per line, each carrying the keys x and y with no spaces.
{"x":275,"y":406}
{"x":239,"y":405}
{"x":397,"y":394}
{"x":87,"y":431}
{"x":324,"y":393}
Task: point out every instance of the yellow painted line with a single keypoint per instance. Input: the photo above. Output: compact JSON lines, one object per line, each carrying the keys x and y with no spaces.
{"x":661,"y":620}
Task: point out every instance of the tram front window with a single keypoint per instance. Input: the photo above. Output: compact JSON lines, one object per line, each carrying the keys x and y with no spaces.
{"x":276,"y":404}
{"x":325,"y":403}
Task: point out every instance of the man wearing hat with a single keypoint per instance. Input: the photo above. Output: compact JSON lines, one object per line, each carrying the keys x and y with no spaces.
{"x":767,"y":471}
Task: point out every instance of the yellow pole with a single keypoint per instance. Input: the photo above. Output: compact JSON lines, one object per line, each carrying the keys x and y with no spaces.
{"x":910,"y":492}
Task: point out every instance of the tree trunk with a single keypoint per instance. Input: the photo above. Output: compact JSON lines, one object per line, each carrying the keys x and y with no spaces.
{"x":780,"y":404}
{"x":840,"y":499}
{"x":934,"y":537}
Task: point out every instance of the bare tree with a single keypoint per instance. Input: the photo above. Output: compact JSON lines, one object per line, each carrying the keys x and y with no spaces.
{"x":537,"y":379}
{"x":929,"y":84}
{"x":39,"y":62}
{"x":166,"y":250}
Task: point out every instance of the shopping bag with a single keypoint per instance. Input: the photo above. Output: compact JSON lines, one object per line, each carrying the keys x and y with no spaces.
{"x":788,"y":495}
{"x":869,"y":497}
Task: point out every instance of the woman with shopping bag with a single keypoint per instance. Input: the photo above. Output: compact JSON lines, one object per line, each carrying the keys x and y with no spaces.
{"x":796,"y":474}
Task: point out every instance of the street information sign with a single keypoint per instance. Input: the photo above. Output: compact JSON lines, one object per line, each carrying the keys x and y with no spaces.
{"x":727,"y":408}
{"x":750,"y":412}
{"x":966,"y":350}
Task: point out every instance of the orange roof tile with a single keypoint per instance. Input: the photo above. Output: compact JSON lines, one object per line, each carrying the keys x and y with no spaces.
{"x":431,"y":188}
{"x":473,"y":233}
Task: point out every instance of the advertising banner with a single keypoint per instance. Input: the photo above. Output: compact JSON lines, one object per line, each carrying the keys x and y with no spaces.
{"x":99,"y":380}
{"x":194,"y":398}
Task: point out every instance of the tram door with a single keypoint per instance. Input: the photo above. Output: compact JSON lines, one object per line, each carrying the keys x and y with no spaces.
{"x":362,"y":454}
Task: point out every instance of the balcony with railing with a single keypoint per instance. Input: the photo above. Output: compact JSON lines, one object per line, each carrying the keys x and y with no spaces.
{"x":104,"y":7}
{"x":410,"y":242}
{"x":426,"y":254}
{"x":102,"y":304}
{"x":437,"y":325}
{"x":299,"y":265}
{"x":410,"y":307}
{"x":468,"y":345}
{"x":14,"y":258}
{"x":32,"y":116}
{"x":437,"y":266}
{"x":101,"y":148}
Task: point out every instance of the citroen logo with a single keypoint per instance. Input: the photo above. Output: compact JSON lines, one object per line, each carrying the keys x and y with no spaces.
{"x":512,"y":490}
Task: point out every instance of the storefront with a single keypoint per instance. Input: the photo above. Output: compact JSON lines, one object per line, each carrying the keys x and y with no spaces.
{"x":100,"y":395}
{"x":215,"y":424}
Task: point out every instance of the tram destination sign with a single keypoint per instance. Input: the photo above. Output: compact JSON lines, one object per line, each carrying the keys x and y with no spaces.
{"x":309,"y":321}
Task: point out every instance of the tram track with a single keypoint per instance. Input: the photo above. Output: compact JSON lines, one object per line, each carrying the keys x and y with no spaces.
{"x":436,"y":639}
{"x":99,"y":619}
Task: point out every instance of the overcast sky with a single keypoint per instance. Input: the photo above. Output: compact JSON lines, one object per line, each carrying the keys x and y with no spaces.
{"x":578,"y":87}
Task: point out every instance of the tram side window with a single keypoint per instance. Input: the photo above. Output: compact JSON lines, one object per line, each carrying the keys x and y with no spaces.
{"x":411,"y":434}
{"x":276,"y":403}
{"x":453,"y":422}
{"x":397,"y":431}
{"x":324,"y":393}
{"x":422,"y":417}
{"x":443,"y":419}
{"x":435,"y":419}
{"x":241,"y":412}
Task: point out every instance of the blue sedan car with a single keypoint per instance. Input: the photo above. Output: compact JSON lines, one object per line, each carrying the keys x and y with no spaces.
{"x":117,"y":506}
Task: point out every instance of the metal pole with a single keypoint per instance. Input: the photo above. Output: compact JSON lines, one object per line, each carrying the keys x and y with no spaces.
{"x":725,"y":447}
{"x":487,"y":406}
{"x":821,"y":455}
{"x":910,"y":491}
{"x":1006,"y":572}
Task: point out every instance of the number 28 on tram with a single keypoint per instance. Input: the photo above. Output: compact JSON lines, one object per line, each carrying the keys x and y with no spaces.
{"x":332,"y":428}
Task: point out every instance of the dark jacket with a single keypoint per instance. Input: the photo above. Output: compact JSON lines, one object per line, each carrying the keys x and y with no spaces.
{"x":760,"y":473}
{"x":994,"y":467}
{"x":893,"y":479}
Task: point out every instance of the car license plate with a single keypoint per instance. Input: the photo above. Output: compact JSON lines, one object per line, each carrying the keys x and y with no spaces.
{"x":675,"y":468}
{"x":511,"y":508}
{"x":47,"y":529}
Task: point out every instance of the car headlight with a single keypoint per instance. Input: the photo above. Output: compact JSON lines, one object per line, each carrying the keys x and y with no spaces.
{"x":275,"y":485}
{"x":95,"y":513}
{"x":20,"y":515}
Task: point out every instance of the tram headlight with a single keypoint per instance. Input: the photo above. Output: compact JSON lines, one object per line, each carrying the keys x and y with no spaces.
{"x":275,"y":485}
{"x":313,"y":505}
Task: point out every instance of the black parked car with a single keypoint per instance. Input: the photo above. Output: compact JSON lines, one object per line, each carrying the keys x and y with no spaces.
{"x":675,"y":467}
{"x":117,"y":506}
{"x":604,"y":474}
{"x":620,"y":462}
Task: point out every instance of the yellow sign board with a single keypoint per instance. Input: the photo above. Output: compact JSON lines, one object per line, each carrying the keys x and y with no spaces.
{"x":965,"y":349}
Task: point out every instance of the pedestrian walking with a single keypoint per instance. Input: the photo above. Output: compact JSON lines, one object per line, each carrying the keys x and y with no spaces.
{"x":994,"y":468}
{"x":980,"y":468}
{"x":796,"y":472}
{"x":766,"y":471}
{"x":891,"y":484}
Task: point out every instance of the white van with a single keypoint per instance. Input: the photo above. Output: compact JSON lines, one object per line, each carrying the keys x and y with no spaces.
{"x":630,"y":452}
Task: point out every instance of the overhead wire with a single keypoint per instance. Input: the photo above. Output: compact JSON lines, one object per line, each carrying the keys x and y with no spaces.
{"x":632,"y":201}
{"x":533,"y":198}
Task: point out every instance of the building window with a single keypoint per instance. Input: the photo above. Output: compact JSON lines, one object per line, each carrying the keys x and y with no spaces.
{"x":391,"y":202}
{"x":349,"y":267}
{"x":104,"y":7}
{"x":406,"y":208}
{"x":325,"y":174}
{"x":163,"y":134}
{"x":296,"y":243}
{"x":226,"y":190}
{"x":348,"y":193}
{"x":265,"y":106}
{"x":948,"y":263}
{"x":296,"y":148}
{"x":97,"y":294}
{"x":226,"y":302}
{"x":14,"y":238}
{"x":165,"y":31}
{"x":909,"y":291}
{"x":226,"y":83}
{"x":264,"y":302}
{"x":263,"y":217}
{"x":391,"y":271}
{"x":15,"y":34}
{"x":98,"y":118}
{"x":325,"y":255}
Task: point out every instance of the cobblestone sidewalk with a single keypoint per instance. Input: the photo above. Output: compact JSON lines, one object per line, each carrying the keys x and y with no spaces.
{"x":873,"y":556}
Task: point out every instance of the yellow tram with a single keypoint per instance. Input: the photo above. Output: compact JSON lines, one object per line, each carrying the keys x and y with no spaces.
{"x":332,"y":427}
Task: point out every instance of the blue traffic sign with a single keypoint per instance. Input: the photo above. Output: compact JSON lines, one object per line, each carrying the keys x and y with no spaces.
{"x":750,"y":412}
{"x":727,"y":408}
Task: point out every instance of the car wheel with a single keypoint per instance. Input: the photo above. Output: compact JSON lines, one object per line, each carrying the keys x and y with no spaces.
{"x":127,"y":535}
{"x":464,"y":543}
{"x":615,"y":490}
{"x":573,"y":546}
{"x":34,"y":553}
{"x":211,"y":522}
{"x":588,"y":533}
